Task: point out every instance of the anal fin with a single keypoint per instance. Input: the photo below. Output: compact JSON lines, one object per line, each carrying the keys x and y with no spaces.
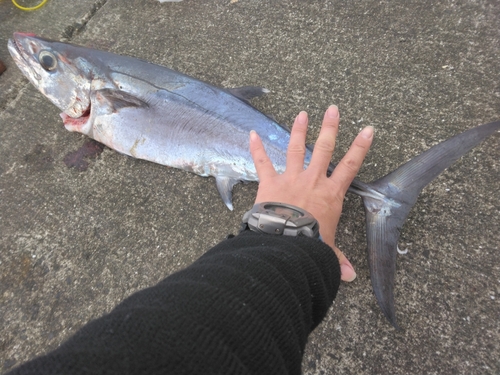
{"x":225,"y":187}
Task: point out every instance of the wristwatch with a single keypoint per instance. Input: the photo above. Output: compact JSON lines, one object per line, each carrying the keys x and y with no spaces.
{"x":280,"y":219}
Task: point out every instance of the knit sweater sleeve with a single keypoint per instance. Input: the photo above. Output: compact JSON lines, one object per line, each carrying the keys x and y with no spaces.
{"x":247,"y":306}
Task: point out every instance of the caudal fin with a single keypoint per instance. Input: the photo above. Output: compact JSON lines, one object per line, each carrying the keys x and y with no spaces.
{"x":389,"y":199}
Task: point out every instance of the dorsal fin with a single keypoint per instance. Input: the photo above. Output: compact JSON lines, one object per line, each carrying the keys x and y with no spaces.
{"x":246,"y":93}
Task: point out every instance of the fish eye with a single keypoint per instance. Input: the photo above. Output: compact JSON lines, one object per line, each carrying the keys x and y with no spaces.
{"x":47,"y":60}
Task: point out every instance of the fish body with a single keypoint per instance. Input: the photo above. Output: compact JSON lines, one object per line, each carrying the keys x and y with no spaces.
{"x":154,"y":113}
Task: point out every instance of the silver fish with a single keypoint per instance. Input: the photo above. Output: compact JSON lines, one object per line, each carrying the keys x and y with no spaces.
{"x":154,"y":113}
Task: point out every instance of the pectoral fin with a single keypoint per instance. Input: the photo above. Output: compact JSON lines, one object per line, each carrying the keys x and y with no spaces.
{"x":116,"y":99}
{"x":225,"y":187}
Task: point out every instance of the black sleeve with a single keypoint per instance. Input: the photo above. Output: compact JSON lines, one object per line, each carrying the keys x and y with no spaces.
{"x":247,"y":306}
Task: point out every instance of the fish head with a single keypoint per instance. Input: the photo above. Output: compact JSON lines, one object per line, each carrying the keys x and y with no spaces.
{"x":58,"y":72}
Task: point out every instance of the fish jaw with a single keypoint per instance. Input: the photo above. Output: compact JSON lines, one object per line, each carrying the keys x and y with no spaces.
{"x":80,"y":124}
{"x":64,"y":83}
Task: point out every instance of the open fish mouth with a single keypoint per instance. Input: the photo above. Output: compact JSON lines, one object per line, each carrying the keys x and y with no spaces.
{"x":78,"y":122}
{"x":25,"y":50}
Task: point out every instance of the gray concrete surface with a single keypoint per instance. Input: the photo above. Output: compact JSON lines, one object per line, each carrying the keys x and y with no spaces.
{"x":73,"y":244}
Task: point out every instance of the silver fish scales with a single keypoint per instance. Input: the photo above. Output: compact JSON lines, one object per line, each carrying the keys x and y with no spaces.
{"x":154,"y":113}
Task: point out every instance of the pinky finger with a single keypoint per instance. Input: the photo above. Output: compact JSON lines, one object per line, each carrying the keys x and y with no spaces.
{"x":263,"y":164}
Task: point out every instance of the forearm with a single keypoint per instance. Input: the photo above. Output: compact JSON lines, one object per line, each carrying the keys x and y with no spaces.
{"x":246,"y":306}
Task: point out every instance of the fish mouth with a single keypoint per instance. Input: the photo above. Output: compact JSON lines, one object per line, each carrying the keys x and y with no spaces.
{"x":75,"y":117}
{"x":15,"y":48}
{"x":76,"y":123}
{"x":22,"y":57}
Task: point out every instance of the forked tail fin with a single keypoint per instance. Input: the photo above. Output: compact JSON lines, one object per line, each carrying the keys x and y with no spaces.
{"x":389,"y":199}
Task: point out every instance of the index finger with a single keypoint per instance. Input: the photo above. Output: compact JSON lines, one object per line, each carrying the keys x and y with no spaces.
{"x":263,"y":164}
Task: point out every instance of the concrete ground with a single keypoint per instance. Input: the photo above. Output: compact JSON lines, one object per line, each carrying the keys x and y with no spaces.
{"x":75,"y":243}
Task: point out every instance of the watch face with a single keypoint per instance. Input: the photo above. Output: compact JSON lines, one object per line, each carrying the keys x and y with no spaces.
{"x":280,"y":210}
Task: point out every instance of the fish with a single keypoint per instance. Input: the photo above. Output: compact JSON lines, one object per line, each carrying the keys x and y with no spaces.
{"x":151,"y":112}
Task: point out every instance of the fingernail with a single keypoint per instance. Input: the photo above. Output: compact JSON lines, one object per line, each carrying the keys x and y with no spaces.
{"x":333,"y":111}
{"x":302,"y":117}
{"x":367,"y":132}
{"x":347,"y":272}
{"x":253,"y":135}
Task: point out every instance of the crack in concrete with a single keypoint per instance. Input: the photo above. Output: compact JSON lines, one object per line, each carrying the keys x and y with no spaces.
{"x":73,"y":30}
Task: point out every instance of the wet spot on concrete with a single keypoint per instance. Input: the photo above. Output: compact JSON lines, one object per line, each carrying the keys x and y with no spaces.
{"x":89,"y":150}
{"x":40,"y":158}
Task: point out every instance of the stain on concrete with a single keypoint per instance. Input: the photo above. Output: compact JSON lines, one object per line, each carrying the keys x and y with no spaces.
{"x":76,"y":159}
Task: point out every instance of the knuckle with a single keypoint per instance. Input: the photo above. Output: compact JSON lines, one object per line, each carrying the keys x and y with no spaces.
{"x":256,"y":146}
{"x":324,"y":146}
{"x":360,"y":145}
{"x":300,"y":130}
{"x":330,"y":123}
{"x":262,"y":160}
{"x":297,"y":149}
{"x":350,"y":164}
{"x":258,"y":152}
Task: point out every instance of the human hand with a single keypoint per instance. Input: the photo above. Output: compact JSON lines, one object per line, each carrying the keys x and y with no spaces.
{"x":311,"y":189}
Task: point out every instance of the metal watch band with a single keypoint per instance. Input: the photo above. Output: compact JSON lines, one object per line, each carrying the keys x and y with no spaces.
{"x":281,"y":219}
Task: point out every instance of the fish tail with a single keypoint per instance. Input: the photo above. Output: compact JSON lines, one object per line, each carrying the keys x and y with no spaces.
{"x":388,"y":201}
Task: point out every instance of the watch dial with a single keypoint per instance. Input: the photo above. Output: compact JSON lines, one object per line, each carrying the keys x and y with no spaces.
{"x":280,"y":210}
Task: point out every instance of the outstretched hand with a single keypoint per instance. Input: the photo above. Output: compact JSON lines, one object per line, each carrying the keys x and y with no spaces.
{"x":310,"y":188}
